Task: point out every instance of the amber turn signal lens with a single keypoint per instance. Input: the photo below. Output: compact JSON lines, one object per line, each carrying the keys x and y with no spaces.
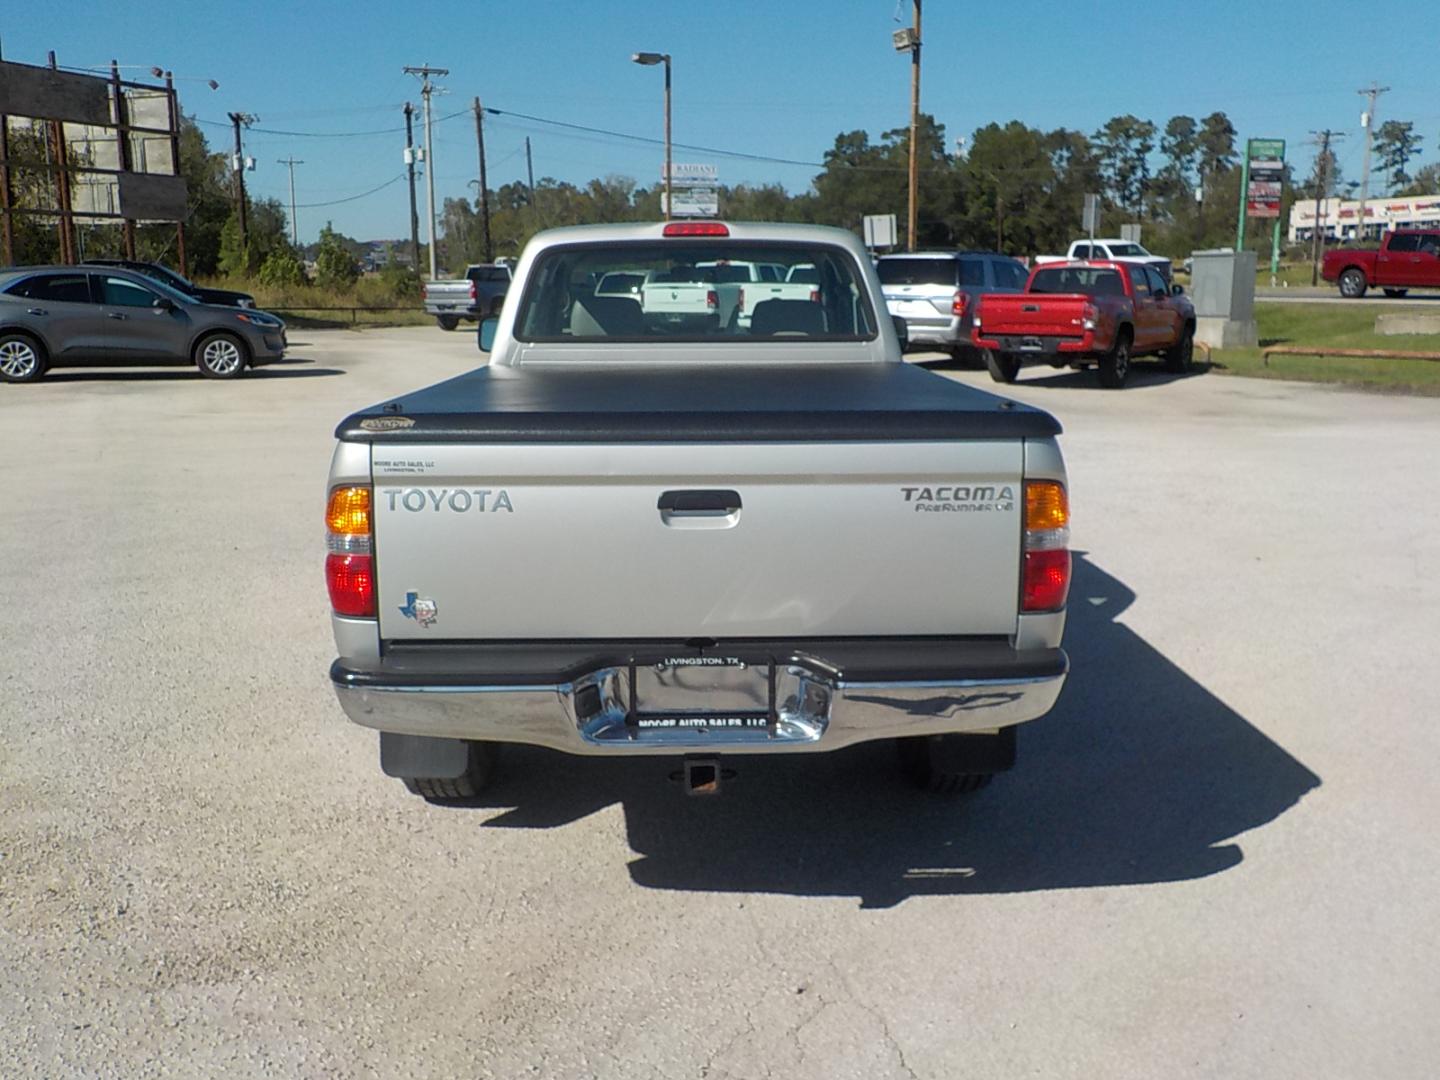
{"x":1046,"y":507}
{"x":349,"y":511}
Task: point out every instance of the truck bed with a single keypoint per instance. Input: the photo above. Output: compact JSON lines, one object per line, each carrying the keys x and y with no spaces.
{"x":846,"y":403}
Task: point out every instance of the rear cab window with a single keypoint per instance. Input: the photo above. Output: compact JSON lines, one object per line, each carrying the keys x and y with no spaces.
{"x":1089,"y":280}
{"x":561,"y":305}
{"x":972,"y":272}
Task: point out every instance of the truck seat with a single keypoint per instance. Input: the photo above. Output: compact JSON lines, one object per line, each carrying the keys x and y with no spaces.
{"x":787,"y":317}
{"x":606,"y":316}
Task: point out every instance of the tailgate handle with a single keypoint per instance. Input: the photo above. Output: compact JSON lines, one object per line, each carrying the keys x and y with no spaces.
{"x":699,"y":509}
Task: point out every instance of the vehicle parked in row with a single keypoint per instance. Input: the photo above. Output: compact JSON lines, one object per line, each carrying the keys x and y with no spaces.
{"x":86,"y":316}
{"x":1114,"y":251}
{"x":203,"y":293}
{"x":1090,"y":314}
{"x":478,"y":294}
{"x":1406,"y":259}
{"x":689,"y":537}
{"x":935,"y":292}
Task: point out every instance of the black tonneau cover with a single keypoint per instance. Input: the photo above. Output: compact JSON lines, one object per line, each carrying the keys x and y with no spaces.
{"x":800,"y":403}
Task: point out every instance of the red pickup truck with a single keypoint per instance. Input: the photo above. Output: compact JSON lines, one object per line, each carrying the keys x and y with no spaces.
{"x":1407,"y":259}
{"x":1086,"y":314}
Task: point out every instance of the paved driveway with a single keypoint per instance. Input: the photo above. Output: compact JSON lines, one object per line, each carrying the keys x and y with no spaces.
{"x":1217,"y":857}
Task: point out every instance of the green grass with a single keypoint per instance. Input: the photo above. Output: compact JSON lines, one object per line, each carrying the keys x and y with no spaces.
{"x":1343,"y":326}
{"x":307,"y":306}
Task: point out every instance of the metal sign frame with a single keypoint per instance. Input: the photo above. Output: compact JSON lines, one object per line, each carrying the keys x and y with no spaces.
{"x":50,"y":98}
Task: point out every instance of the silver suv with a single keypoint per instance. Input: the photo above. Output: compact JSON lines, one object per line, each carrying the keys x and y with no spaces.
{"x":936,"y":292}
{"x":86,"y":316}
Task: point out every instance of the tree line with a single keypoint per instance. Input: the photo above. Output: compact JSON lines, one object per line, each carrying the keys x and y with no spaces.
{"x":1013,"y":188}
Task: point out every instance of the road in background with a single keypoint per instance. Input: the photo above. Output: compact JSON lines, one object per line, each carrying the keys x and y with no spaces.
{"x":1216,"y":856}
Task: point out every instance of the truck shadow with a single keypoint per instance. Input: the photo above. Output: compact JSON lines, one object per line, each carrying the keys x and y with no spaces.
{"x":1139,"y":775}
{"x":1143,"y":374}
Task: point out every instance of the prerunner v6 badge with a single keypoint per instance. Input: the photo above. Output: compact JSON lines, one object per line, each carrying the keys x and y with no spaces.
{"x":961,"y":498}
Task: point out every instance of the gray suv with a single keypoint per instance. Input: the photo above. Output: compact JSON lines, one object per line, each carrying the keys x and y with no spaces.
{"x":936,"y":293}
{"x":86,"y":316}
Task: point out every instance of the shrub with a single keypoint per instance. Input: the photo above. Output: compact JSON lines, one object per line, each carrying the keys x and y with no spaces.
{"x":334,"y":265}
{"x":281,"y":269}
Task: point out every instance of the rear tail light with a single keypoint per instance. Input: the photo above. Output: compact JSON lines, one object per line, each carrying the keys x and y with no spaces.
{"x":814,"y":296}
{"x":350,"y":561}
{"x":424,"y":292}
{"x":959,"y":304}
{"x":697,"y":228}
{"x":740,"y":301}
{"x":1046,"y":580}
{"x":473,"y":293}
{"x":1088,"y":316}
{"x":712,"y":299}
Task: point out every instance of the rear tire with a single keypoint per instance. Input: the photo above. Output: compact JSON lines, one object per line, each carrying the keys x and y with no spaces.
{"x":221,"y":356}
{"x":1181,"y":358}
{"x":1115,"y":365}
{"x":447,"y":322}
{"x":1353,"y":284}
{"x":22,"y":358}
{"x":1004,"y":367}
{"x":955,"y":764}
{"x":1396,"y":294}
{"x":479,"y":773}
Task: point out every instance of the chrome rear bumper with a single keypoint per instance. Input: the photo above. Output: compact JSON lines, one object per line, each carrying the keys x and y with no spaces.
{"x":812,"y":706}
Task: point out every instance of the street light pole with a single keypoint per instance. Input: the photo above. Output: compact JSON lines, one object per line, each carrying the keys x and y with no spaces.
{"x":649,"y":59}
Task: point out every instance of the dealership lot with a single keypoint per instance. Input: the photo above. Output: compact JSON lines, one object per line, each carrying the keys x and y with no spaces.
{"x":1214,"y":858}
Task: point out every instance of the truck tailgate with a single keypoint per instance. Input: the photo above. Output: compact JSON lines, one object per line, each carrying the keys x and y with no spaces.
{"x":697,"y":539}
{"x":1033,"y":314}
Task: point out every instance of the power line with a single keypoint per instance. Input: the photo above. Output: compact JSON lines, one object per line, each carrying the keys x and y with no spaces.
{"x":352,"y":198}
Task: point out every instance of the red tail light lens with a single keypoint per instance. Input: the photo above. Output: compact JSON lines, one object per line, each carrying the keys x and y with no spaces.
{"x":712,"y":299}
{"x":1046,"y":583}
{"x":473,"y":293}
{"x":1047,"y":580}
{"x":959,"y":304}
{"x":740,"y":303}
{"x":349,"y":566}
{"x":351,"y":580}
{"x":814,"y":296}
{"x":697,"y":228}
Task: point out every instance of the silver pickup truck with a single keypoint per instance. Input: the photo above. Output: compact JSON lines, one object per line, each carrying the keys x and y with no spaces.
{"x":479,"y":293}
{"x":617,"y":539}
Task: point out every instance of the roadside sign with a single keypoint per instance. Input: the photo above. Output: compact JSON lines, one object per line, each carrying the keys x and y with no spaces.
{"x":880,"y":230}
{"x":1090,"y":221}
{"x":694,"y":202}
{"x":691,"y":175}
{"x":1266,"y":177}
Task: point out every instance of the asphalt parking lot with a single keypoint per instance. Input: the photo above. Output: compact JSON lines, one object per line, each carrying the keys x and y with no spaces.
{"x":1216,"y":857}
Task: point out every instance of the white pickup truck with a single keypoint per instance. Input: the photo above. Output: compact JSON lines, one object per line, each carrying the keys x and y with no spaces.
{"x":724,"y":291}
{"x":1113,"y":251}
{"x":617,"y":539}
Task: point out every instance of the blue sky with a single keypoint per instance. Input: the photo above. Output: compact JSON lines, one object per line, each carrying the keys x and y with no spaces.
{"x":774,"y":78}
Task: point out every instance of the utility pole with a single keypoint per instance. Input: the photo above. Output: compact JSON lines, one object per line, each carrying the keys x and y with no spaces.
{"x":1367,"y":121}
{"x":530,"y":170}
{"x":294,"y":224}
{"x":410,"y":168}
{"x":914,"y":130}
{"x":425,"y":71}
{"x":489,"y":251}
{"x":239,"y":118}
{"x":1322,"y":190}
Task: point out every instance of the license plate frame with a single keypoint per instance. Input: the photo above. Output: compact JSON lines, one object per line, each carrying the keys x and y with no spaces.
{"x":696,"y":719}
